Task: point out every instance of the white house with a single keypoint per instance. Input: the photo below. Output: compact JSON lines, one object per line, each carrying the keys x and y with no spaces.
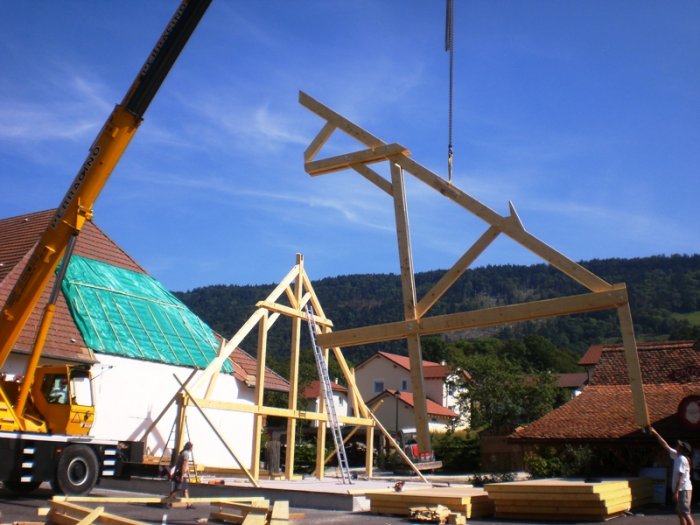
{"x":385,"y":374}
{"x":137,"y":338}
{"x":313,"y":394}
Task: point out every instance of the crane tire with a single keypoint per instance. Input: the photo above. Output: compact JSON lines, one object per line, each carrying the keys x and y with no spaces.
{"x":77,"y":471}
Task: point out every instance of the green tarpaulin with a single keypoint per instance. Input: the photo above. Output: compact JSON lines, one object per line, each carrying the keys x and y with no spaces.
{"x":130,"y":314}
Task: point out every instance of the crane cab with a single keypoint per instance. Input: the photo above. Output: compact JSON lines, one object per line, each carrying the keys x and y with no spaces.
{"x":62,"y":395}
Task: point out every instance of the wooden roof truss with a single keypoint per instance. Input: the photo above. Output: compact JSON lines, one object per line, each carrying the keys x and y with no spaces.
{"x":415,"y":324}
{"x":288,"y":298}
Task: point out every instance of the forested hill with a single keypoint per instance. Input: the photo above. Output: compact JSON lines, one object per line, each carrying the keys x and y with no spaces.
{"x":664,"y":297}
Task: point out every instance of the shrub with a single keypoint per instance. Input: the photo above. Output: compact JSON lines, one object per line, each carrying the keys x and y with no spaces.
{"x":549,"y":462}
{"x":458,"y":451}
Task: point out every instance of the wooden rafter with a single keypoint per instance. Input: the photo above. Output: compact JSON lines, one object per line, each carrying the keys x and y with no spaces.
{"x":415,"y":324}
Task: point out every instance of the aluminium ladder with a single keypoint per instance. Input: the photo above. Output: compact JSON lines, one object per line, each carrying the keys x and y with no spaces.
{"x":322,"y":367}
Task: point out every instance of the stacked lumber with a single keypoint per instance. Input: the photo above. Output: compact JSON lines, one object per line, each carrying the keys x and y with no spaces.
{"x":470,"y":501}
{"x":562,"y":499}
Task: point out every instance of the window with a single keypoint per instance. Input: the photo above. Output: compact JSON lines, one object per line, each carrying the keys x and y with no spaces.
{"x":81,"y":389}
{"x":378,"y":387}
{"x":404,"y":385}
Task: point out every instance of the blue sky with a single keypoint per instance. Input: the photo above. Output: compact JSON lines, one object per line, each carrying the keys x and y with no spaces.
{"x":586,"y":114}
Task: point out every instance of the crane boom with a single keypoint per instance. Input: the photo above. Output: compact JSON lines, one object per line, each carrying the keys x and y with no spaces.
{"x":104,"y":154}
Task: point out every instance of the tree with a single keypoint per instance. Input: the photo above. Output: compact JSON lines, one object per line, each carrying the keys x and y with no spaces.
{"x":500,"y":396}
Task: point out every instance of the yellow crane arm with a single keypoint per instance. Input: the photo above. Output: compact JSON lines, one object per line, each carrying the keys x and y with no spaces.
{"x":103,"y":156}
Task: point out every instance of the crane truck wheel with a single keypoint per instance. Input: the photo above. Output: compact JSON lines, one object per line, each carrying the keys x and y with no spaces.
{"x":77,"y":471}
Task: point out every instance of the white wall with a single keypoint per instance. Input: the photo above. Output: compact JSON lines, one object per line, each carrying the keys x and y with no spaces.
{"x":340,"y":400}
{"x":395,"y":415}
{"x":380,"y":369}
{"x":130,"y":394}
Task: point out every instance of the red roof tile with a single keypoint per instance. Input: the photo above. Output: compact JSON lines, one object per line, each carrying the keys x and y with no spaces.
{"x":245,"y":369}
{"x":592,"y":355}
{"x":604,"y":410}
{"x":18,"y":236}
{"x":431,"y":370}
{"x":313,"y":389}
{"x":434,"y":409}
{"x":573,"y":380}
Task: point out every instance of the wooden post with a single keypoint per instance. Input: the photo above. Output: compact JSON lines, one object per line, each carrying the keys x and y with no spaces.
{"x":369,"y":452}
{"x":259,"y":395}
{"x":294,"y":372}
{"x":180,"y":421}
{"x":408,"y":286}
{"x":641,"y":415}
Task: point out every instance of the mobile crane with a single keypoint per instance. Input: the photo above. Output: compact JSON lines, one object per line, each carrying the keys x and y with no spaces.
{"x":46,"y":414}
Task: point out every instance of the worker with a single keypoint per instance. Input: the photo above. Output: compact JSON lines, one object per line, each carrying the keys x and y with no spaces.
{"x":180,"y":474}
{"x":680,"y":482}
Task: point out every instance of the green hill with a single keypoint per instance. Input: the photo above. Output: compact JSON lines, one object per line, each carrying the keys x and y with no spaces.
{"x":664,"y":296}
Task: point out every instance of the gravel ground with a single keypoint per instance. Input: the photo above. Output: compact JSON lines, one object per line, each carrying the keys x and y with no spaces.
{"x":24,"y":509}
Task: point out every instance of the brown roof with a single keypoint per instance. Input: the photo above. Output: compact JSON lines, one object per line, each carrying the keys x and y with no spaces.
{"x":18,"y":235}
{"x":434,"y":409}
{"x":572,"y":380}
{"x":604,"y":410}
{"x":431,"y":370}
{"x":665,"y":362}
{"x":245,"y":367}
{"x":313,"y":389}
{"x":592,"y":355}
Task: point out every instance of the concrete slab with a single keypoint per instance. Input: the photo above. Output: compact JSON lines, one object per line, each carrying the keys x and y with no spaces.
{"x":326,"y":494}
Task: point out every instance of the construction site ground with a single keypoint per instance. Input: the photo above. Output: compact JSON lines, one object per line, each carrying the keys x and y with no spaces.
{"x":25,"y":509}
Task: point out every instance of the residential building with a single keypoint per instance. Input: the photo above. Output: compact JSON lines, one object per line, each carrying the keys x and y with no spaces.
{"x":137,"y":338}
{"x":313,"y":394}
{"x":602,"y":416}
{"x":572,"y":383}
{"x":396,"y":411}
{"x":386,"y":375}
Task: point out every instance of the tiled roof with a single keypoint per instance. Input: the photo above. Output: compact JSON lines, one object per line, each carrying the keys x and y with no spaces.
{"x":604,"y":410}
{"x":434,"y":409}
{"x":313,"y":389}
{"x":573,"y":380}
{"x":431,"y":370}
{"x":667,"y":362}
{"x":592,"y":355}
{"x":18,"y":236}
{"x":245,"y":367}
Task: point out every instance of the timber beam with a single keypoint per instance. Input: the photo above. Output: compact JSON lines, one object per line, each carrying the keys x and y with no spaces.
{"x":574,"y":304}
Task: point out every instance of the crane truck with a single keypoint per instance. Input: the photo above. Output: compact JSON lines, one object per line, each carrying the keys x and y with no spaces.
{"x":47,"y":412}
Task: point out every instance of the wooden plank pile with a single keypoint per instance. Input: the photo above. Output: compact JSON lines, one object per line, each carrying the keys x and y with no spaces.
{"x":469,"y":501}
{"x":562,"y":499}
{"x":247,"y":511}
{"x":67,"y":513}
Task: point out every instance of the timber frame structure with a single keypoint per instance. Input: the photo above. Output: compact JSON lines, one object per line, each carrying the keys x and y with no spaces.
{"x":415,"y":324}
{"x":299,"y":292}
